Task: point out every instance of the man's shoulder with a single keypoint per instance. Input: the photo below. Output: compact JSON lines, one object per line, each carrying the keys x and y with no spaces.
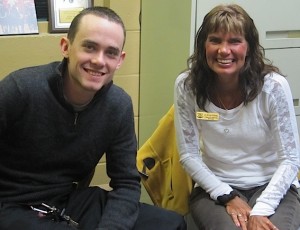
{"x":118,"y":91}
{"x":31,"y":78}
{"x":37,"y":70}
{"x":116,"y":97}
{"x":32,"y":73}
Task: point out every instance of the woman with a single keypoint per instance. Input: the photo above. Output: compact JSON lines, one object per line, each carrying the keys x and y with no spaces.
{"x":237,"y":108}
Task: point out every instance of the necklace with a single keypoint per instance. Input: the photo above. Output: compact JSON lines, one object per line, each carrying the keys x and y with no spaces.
{"x":221,"y":102}
{"x":233,"y":103}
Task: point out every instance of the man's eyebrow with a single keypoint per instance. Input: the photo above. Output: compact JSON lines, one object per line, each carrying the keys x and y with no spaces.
{"x":91,"y":42}
{"x":114,"y":49}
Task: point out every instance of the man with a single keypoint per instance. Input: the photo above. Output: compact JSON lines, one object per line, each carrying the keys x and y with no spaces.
{"x":56,"y":122}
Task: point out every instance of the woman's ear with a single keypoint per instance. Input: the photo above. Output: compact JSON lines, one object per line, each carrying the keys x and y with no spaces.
{"x":64,"y":46}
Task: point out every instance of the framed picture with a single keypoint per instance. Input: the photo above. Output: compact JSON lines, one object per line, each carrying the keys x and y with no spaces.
{"x":62,"y":12}
{"x":18,"y":17}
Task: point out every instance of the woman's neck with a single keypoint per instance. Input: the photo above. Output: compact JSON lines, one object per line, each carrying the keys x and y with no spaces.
{"x":227,"y":99}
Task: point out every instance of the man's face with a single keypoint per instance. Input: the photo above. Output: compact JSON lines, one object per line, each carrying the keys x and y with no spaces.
{"x":95,"y":53}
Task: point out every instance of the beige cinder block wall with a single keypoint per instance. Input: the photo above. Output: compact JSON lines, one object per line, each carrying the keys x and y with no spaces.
{"x":128,"y":75}
{"x":20,"y":51}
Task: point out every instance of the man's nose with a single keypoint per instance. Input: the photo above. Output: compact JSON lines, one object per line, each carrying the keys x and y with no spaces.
{"x":99,"y":58}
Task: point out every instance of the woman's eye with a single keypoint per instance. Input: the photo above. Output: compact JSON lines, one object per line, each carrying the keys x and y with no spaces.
{"x":235,"y":41}
{"x":214,"y":40}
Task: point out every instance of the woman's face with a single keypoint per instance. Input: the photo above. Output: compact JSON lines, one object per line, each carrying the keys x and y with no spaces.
{"x":226,"y":53}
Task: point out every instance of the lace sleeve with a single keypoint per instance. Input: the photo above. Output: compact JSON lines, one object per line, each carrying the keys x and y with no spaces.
{"x":284,"y":128}
{"x":187,"y":134}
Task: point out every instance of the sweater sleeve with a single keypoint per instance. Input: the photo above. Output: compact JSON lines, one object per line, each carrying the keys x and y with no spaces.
{"x":188,"y":136}
{"x":122,"y":205}
{"x":12,"y":102}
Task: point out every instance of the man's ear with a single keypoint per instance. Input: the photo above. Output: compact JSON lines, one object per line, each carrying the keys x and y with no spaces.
{"x":122,"y":57}
{"x":64,"y":46}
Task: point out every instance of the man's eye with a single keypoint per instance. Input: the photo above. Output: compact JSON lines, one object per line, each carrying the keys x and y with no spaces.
{"x":112,"y":53}
{"x":89,"y":47}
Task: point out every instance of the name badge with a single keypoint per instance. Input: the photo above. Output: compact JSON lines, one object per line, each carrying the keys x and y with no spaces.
{"x":207,"y":116}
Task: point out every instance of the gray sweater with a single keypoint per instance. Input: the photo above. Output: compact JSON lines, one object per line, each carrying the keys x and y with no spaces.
{"x":45,"y":145}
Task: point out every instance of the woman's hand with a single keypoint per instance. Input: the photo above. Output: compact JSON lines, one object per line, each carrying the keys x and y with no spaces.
{"x":239,"y":211}
{"x":260,"y":223}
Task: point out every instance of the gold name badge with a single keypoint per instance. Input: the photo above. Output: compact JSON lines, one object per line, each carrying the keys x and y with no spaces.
{"x":207,"y":116}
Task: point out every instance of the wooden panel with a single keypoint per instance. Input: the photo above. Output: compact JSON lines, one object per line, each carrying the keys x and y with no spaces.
{"x":98,"y":2}
{"x":28,"y":50}
{"x":128,"y":10}
{"x":132,"y":58}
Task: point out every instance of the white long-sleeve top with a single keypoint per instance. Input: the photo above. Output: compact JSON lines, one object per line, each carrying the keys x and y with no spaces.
{"x":244,"y":147}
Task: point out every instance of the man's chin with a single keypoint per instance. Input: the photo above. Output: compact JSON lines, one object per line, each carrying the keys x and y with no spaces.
{"x":94,"y":87}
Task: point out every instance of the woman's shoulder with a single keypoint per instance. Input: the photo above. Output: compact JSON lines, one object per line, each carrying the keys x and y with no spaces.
{"x":274,"y":81}
{"x":274,"y":76}
{"x":181,"y":78}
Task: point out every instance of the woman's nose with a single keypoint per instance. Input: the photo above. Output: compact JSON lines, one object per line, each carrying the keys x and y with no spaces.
{"x":223,"y":49}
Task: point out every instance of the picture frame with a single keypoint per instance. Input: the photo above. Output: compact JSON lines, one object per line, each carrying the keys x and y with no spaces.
{"x":18,"y":18}
{"x":62,"y":12}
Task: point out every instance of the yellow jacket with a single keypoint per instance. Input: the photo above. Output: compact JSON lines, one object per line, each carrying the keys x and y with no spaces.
{"x":163,"y":177}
